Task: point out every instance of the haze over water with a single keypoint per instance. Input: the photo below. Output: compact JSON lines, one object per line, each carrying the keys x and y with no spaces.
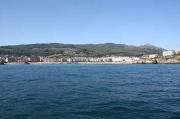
{"x":90,"y":91}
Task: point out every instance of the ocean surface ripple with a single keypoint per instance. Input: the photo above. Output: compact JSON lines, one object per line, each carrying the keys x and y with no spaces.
{"x":74,"y":91}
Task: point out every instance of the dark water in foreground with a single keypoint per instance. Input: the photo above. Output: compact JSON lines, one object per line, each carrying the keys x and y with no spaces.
{"x":90,"y":92}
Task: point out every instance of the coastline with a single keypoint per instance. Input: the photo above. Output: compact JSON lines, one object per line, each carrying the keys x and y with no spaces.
{"x":94,"y":63}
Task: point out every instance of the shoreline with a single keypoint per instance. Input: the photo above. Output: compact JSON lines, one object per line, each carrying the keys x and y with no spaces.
{"x":91,"y":63}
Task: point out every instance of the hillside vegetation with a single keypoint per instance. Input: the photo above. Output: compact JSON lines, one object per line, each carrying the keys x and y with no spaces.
{"x":177,"y":57}
{"x":79,"y":50}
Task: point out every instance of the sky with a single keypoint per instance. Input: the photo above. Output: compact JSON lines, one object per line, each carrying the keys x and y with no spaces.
{"x":133,"y":22}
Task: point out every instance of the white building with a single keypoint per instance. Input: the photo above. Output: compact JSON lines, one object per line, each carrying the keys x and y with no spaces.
{"x":117,"y":59}
{"x":69,"y":60}
{"x":153,"y":56}
{"x":177,"y":51}
{"x":6,"y":59}
{"x":169,"y":53}
{"x":47,"y":59}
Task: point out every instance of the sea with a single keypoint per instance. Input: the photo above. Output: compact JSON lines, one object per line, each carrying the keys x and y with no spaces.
{"x":90,"y":91}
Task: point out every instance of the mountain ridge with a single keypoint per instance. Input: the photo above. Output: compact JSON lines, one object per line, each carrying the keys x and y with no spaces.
{"x":103,"y":49}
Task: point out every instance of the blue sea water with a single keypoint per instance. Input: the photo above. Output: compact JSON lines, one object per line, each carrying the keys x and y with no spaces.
{"x":75,"y":91}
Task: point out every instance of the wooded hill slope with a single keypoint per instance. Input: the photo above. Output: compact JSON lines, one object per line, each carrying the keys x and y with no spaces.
{"x":79,"y":50}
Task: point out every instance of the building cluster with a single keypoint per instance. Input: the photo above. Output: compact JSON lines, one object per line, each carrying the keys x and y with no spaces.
{"x":58,"y":58}
{"x":3,"y":58}
{"x":10,"y":59}
{"x":70,"y":59}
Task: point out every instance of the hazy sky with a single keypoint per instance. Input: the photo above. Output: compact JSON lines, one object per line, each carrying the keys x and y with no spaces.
{"x":132,"y":22}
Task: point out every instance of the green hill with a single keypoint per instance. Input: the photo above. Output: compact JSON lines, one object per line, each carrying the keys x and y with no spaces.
{"x":79,"y":50}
